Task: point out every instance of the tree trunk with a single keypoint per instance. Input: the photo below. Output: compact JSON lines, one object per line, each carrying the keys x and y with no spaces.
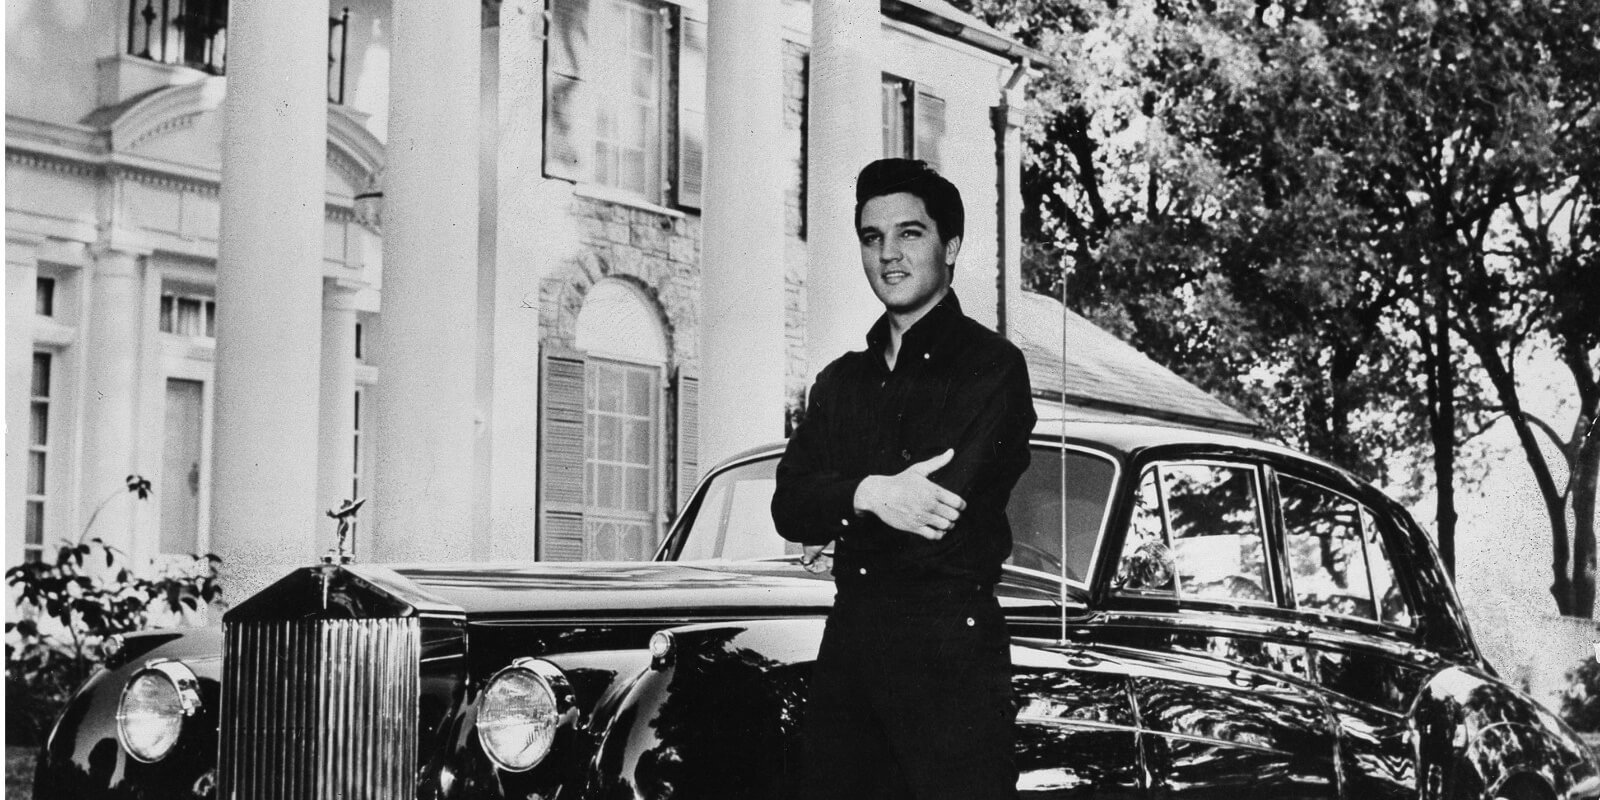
{"x":1584,"y":482}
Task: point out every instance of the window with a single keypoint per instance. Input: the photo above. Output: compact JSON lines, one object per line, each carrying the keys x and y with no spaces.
{"x":1336,"y":555}
{"x":1197,"y":529}
{"x":38,"y":458}
{"x":607,"y":85}
{"x":355,"y":465}
{"x":44,"y":299}
{"x":913,"y":121}
{"x":620,"y":460}
{"x":188,"y":32}
{"x":187,"y":314}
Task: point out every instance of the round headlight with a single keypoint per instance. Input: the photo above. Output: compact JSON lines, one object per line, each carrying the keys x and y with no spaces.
{"x":151,"y":711}
{"x":520,"y":712}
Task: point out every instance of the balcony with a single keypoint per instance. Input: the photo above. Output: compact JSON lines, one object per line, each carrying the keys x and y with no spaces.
{"x":194,"y":34}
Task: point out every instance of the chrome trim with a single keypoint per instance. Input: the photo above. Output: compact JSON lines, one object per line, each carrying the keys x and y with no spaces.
{"x":320,"y":709}
{"x":183,"y":682}
{"x":559,"y":688}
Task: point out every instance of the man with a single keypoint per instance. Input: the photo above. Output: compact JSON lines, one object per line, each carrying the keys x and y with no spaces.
{"x":905,"y":460}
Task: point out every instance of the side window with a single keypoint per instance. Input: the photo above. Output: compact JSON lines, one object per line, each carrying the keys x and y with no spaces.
{"x":1392,"y":607}
{"x":1337,"y":556}
{"x":1323,"y":533}
{"x":1201,"y":525}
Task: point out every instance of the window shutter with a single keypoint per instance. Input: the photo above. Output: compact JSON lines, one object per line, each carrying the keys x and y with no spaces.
{"x":568,"y":138}
{"x":688,"y":444}
{"x":929,"y":128}
{"x":561,"y":467}
{"x":691,"y":110}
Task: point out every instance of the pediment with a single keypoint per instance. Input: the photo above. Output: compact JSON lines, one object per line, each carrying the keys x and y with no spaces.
{"x":182,"y":127}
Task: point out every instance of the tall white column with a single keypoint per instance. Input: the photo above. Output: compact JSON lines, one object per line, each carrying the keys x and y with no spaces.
{"x":1009,"y":117}
{"x":422,"y":500}
{"x":336,"y":420}
{"x":846,"y":132}
{"x":22,"y":270}
{"x":741,"y":271}
{"x":264,"y":507}
{"x":111,"y":396}
{"x":533,"y":233}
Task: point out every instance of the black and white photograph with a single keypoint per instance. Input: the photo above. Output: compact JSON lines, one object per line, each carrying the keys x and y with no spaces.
{"x":802,"y":399}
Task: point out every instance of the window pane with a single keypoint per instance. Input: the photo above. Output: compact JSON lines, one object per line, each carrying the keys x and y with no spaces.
{"x":1216,"y":531}
{"x":1392,"y":605}
{"x":211,"y":319}
{"x":168,"y":302}
{"x":638,"y":442}
{"x":33,"y":528}
{"x":638,"y":489}
{"x":44,"y":301}
{"x":1324,"y":541}
{"x":41,"y":374}
{"x":190,"y":322}
{"x":639,"y":393}
{"x":610,"y":385}
{"x":1146,"y":559}
{"x":610,"y":444}
{"x":39,"y":435}
{"x":36,"y":473}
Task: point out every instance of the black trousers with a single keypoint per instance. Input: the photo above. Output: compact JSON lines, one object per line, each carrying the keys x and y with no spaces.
{"x":911,"y":698}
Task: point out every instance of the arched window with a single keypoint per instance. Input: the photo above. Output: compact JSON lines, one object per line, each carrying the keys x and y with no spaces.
{"x":614,"y":384}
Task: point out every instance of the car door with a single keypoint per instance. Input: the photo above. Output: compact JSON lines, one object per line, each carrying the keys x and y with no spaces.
{"x":1233,"y":713}
{"x":1362,"y":639}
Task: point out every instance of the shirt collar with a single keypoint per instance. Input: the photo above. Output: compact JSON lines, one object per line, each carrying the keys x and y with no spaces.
{"x":922,"y":340}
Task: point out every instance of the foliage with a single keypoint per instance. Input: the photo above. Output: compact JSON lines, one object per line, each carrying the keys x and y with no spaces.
{"x":74,"y":605}
{"x":1348,"y":217}
{"x":1580,"y":701}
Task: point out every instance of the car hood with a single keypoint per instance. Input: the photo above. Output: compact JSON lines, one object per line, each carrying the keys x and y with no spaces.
{"x":696,"y":590}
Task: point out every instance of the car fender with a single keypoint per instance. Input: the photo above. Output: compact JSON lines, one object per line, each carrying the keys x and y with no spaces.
{"x":82,"y":759}
{"x":1479,"y":738}
{"x":716,"y":714}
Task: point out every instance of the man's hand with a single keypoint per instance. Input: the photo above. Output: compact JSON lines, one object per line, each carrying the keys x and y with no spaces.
{"x":910,"y":502}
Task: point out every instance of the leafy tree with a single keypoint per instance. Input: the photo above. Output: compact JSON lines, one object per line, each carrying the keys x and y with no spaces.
{"x":1346,"y":216}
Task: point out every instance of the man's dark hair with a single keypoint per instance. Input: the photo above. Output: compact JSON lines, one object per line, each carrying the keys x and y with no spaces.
{"x":914,"y":177}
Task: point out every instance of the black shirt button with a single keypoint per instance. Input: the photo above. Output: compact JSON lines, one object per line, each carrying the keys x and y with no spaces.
{"x":905,"y":455}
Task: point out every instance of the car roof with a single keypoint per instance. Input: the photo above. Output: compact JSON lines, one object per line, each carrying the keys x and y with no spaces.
{"x":1123,"y":437}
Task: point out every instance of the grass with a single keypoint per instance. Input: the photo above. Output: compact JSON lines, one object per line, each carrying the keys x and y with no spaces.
{"x":19,"y":773}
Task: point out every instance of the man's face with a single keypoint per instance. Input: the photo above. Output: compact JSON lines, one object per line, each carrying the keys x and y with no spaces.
{"x":906,"y":263}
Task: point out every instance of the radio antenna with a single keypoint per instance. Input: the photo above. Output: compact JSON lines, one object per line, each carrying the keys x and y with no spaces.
{"x":1061,"y":439}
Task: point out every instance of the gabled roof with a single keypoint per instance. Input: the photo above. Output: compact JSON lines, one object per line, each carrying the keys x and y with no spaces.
{"x":1103,"y":372}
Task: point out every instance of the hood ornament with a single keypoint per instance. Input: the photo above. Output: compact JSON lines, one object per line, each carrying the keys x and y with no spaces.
{"x":344,"y":514}
{"x":340,"y":554}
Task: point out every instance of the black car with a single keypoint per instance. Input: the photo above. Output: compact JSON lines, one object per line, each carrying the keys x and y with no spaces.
{"x":1192,"y":615}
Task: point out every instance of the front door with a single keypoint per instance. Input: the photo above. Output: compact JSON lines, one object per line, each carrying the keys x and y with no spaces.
{"x":179,"y":484}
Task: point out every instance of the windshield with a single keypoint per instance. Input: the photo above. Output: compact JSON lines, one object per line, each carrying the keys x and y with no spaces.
{"x":732,"y":518}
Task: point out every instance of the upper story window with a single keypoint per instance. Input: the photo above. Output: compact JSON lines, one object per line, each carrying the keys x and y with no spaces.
{"x":913,"y":121}
{"x":44,"y":297}
{"x":188,"y":314}
{"x":609,"y":69}
{"x":194,"y":33}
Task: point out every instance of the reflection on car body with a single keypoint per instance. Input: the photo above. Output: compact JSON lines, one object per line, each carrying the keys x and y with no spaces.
{"x":1193,"y":615}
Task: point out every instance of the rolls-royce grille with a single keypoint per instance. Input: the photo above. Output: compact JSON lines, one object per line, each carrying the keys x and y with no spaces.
{"x":320,"y":710}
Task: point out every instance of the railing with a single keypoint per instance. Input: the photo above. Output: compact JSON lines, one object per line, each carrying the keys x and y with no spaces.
{"x":194,"y":33}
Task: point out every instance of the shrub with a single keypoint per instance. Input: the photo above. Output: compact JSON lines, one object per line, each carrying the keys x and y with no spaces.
{"x":74,"y":605}
{"x":1580,"y":701}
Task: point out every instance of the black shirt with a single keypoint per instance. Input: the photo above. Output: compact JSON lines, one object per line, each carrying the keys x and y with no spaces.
{"x":955,"y":385}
